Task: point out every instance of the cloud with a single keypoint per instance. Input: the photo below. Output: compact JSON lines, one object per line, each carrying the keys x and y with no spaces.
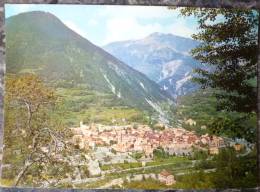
{"x":105,"y":24}
{"x":181,"y":28}
{"x":144,"y":12}
{"x":136,"y":22}
{"x":120,"y":29}
{"x":128,"y":28}
{"x":75,"y":28}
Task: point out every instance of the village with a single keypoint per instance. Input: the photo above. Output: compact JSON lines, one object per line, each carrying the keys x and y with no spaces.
{"x":141,"y":138}
{"x":106,"y":145}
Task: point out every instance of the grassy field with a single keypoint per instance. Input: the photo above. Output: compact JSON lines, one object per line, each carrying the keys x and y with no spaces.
{"x":148,"y":184}
{"x":170,"y":159}
{"x":78,"y":104}
{"x":121,"y":166}
{"x":174,"y":165}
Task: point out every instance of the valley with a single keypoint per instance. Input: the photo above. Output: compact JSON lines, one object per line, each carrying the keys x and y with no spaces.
{"x":127,"y":115}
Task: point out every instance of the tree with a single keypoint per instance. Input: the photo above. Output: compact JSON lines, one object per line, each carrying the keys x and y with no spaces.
{"x":160,"y":153}
{"x":234,"y":125}
{"x":235,"y":171}
{"x":30,"y":129}
{"x":229,"y":45}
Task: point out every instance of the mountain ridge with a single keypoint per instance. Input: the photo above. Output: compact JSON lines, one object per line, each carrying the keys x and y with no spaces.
{"x":39,"y":42}
{"x":155,"y":56}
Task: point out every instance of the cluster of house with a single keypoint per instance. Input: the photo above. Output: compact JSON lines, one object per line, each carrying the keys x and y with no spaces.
{"x":141,"y":138}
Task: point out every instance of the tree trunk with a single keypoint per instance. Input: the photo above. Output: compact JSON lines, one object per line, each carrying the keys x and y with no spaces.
{"x":22,"y":172}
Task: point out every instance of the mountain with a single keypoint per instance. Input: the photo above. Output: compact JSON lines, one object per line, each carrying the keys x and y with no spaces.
{"x":38,"y":42}
{"x":164,"y":58}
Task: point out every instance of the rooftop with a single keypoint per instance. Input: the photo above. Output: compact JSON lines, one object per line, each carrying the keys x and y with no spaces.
{"x":165,"y":173}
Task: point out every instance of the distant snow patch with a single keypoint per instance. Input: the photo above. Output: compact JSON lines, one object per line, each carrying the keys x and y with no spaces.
{"x":116,"y":69}
{"x":181,"y":82}
{"x":118,"y":94}
{"x":187,"y":73}
{"x":169,"y":69}
{"x":142,"y":85}
{"x":113,"y":89}
{"x":156,"y":107}
{"x":165,"y":88}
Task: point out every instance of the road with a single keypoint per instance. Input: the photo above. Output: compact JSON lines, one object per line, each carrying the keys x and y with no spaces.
{"x":94,"y":179}
{"x":118,"y":180}
{"x":141,"y":168}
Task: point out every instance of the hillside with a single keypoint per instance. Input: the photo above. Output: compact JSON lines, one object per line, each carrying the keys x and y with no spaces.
{"x":164,"y":58}
{"x":38,"y":42}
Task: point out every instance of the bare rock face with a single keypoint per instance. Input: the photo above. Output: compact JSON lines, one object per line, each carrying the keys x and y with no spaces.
{"x":93,"y":168}
{"x":164,"y":58}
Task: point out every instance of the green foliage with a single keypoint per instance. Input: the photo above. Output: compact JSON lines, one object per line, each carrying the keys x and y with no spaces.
{"x":30,"y":131}
{"x":159,"y":153}
{"x":43,"y":45}
{"x":37,"y":115}
{"x":199,"y":154}
{"x":201,"y":106}
{"x":233,"y":171}
{"x":145,"y":184}
{"x":234,"y":126}
{"x":195,"y":180}
{"x":204,"y":164}
{"x":229,"y":44}
{"x":119,"y":166}
{"x":92,"y":106}
{"x":137,"y":155}
{"x":172,"y":163}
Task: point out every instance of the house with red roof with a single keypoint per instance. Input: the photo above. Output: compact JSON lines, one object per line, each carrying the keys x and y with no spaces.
{"x":166,"y":178}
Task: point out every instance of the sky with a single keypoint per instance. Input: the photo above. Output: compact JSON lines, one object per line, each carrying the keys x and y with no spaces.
{"x":103,"y":24}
